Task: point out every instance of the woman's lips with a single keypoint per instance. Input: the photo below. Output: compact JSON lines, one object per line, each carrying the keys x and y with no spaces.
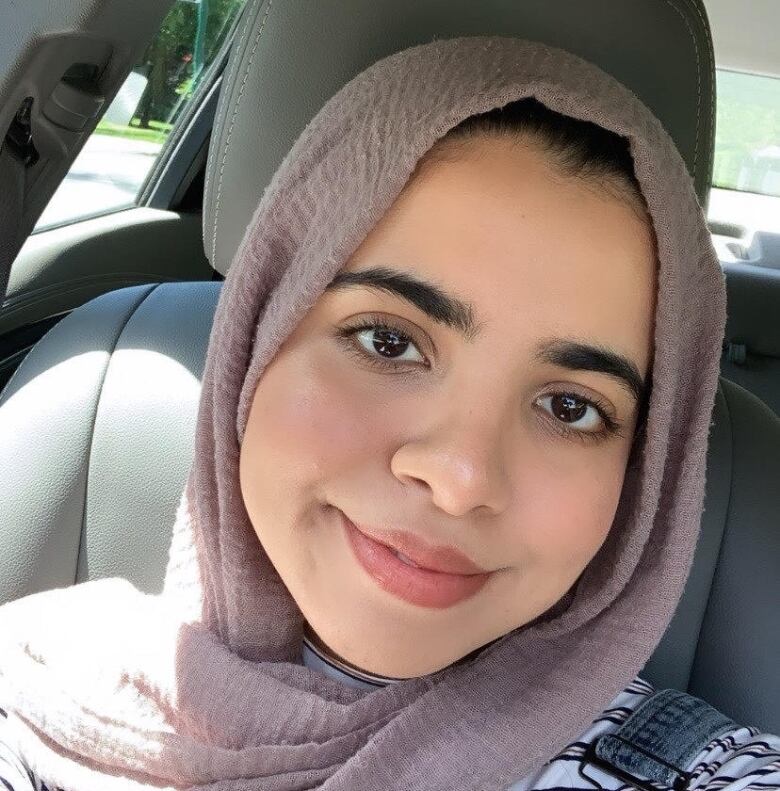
{"x":414,"y":583}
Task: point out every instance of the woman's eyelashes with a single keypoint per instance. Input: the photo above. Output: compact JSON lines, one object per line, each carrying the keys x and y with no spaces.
{"x":575,"y":416}
{"x":382,"y":344}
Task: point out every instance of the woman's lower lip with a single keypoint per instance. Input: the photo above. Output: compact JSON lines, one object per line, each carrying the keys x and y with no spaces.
{"x":415,"y":585}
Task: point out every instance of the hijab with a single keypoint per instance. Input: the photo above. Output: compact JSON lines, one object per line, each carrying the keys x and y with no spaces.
{"x":202,"y":686}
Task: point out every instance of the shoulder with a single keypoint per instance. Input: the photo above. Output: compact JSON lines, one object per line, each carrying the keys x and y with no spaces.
{"x":735,"y":758}
{"x":707,"y":749}
{"x":14,"y":773}
{"x":745,"y":757}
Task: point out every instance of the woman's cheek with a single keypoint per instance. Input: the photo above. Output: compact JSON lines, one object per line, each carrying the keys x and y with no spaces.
{"x":568,"y":513}
{"x":315,"y":416}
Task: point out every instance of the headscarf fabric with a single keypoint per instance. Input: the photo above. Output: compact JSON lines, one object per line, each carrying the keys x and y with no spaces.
{"x":202,"y":686}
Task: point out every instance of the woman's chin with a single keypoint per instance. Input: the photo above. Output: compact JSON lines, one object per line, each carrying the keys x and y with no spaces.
{"x":390,"y":652}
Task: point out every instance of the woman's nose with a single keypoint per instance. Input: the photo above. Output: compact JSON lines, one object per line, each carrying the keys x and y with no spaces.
{"x":461,"y":461}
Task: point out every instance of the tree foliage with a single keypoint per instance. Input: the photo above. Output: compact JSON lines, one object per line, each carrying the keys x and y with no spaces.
{"x":170,"y":58}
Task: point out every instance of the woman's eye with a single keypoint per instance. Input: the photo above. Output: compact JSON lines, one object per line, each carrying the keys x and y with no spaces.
{"x":575,"y":412}
{"x":383,"y":343}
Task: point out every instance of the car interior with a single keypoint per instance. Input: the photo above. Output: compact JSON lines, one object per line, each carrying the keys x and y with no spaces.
{"x":106,"y":321}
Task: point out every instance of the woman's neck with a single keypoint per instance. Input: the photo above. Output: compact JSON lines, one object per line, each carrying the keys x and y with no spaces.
{"x":312,"y":640}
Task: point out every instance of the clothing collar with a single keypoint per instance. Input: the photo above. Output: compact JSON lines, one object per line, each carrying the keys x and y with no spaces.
{"x":317,"y":656}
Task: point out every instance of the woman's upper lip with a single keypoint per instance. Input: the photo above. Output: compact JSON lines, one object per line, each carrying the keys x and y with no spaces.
{"x":442,"y":558}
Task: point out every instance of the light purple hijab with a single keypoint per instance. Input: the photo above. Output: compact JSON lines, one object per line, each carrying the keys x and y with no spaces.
{"x":202,"y":686}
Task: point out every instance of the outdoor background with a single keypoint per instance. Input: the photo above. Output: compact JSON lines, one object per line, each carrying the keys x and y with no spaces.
{"x":110,"y":170}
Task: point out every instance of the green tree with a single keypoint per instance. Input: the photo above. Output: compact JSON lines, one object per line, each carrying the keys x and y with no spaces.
{"x":222,"y":14}
{"x":168,"y":70}
{"x":159,"y":60}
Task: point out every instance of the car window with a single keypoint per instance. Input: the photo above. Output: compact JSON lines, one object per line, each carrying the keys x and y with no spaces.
{"x":747,"y":137}
{"x":745,"y":190}
{"x":111,"y":168}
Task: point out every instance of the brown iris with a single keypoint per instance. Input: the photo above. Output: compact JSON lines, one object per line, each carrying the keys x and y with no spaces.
{"x":568,"y":408}
{"x":390,"y":341}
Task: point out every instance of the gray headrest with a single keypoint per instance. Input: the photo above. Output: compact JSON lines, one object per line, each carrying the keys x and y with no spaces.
{"x":753,"y":296}
{"x":290,"y":57}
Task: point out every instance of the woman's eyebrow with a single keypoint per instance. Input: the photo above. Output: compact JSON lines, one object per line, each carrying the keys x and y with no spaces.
{"x":442,"y":307}
{"x":453,"y":312}
{"x":578,"y":356}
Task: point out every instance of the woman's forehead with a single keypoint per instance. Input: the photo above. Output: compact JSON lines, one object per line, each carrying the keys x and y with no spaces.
{"x":514,"y":243}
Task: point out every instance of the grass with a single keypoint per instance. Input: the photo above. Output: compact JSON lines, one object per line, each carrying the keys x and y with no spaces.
{"x":157,"y":132}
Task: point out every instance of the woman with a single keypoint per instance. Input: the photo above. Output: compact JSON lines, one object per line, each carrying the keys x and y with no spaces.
{"x":449,"y":463}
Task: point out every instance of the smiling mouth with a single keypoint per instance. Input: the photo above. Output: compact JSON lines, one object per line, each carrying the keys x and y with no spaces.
{"x":417,"y":552}
{"x":400,"y":575}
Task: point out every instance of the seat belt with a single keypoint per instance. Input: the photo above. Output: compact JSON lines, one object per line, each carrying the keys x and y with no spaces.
{"x":17,"y":153}
{"x":659,"y":740}
{"x":11,"y":202}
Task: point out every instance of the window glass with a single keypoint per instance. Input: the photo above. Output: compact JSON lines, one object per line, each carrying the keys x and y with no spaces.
{"x":747,"y":133}
{"x":109,"y":171}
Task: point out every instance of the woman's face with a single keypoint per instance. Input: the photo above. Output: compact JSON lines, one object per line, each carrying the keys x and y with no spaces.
{"x":495,"y":417}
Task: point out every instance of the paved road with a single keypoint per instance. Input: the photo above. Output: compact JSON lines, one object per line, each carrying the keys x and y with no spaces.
{"x":106,"y":175}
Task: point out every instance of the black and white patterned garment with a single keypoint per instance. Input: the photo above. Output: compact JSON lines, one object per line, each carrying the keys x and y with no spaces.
{"x":744,"y":759}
